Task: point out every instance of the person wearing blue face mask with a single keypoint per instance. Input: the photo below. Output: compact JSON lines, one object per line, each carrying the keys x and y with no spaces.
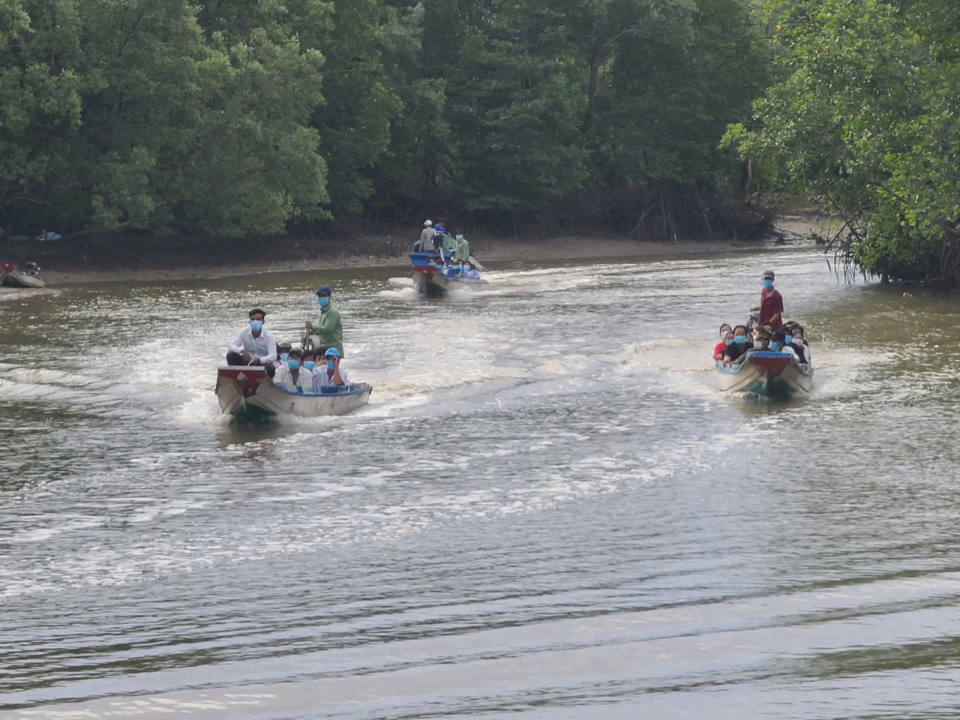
{"x":329,"y":330}
{"x":739,"y":347}
{"x":726,"y":337}
{"x":330,"y":374}
{"x":310,"y":360}
{"x":771,"y":303}
{"x":294,"y":377}
{"x":255,"y":345}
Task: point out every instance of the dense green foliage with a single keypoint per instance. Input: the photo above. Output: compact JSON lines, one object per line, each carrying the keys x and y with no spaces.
{"x":243,"y":117}
{"x":866,"y":118}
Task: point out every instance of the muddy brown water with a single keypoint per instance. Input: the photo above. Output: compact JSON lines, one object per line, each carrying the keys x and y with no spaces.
{"x":545,"y":511}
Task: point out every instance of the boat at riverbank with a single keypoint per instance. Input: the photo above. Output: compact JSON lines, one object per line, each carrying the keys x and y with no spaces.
{"x":434,"y":276}
{"x":766,"y":373}
{"x":28,"y":277}
{"x":247,"y":393}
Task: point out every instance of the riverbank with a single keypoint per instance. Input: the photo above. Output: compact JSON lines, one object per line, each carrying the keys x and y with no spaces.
{"x":180,"y":262}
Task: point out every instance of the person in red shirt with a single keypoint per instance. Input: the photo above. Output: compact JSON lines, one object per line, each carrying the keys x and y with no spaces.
{"x":771,"y":303}
{"x":726,"y":337}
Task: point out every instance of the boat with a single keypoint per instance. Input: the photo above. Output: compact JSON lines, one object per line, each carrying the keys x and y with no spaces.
{"x":28,"y":277}
{"x":247,"y":393}
{"x":435,"y":275}
{"x":766,"y":373}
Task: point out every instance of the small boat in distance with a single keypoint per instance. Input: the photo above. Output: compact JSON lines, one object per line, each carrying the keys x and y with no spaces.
{"x":434,"y":275}
{"x":766,"y":373}
{"x":247,"y":393}
{"x":27,"y":277}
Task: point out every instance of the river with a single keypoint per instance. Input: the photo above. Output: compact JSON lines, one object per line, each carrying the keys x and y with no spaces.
{"x":545,"y":511}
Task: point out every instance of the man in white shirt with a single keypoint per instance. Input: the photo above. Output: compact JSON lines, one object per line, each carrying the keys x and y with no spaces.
{"x":292,"y":376}
{"x":254,"y":346}
{"x":330,"y":375}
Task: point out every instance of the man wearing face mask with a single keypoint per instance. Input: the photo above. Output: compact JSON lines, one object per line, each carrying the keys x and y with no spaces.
{"x":293,"y":376}
{"x":330,"y":330}
{"x":771,"y":303}
{"x":739,"y":347}
{"x":330,"y":375}
{"x":255,"y":345}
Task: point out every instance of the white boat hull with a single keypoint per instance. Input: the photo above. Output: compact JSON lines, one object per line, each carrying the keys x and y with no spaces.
{"x":19,"y":279}
{"x":249,"y":393}
{"x":770,"y":374}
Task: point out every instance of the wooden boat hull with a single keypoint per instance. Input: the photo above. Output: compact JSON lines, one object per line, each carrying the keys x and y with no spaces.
{"x":433,"y":282}
{"x":765,"y":373}
{"x":248,"y":394}
{"x":11,"y":276}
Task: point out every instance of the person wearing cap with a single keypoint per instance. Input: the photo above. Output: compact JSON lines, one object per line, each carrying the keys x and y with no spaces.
{"x":761,"y":339}
{"x":283,"y":351}
{"x":255,"y":345}
{"x":771,"y":302}
{"x":293,"y":376}
{"x":426,"y":237}
{"x":330,"y":374}
{"x":739,"y":347}
{"x":330,"y":329}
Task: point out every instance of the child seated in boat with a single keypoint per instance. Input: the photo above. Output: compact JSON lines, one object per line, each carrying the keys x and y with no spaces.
{"x":294,"y":377}
{"x":330,"y":375}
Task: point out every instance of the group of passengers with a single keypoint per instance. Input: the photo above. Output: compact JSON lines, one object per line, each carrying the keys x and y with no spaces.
{"x":295,"y":369}
{"x":736,"y":342}
{"x":434,"y":238}
{"x":771,"y":333}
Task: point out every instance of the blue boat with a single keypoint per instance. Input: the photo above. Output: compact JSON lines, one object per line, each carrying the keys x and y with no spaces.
{"x":435,"y":274}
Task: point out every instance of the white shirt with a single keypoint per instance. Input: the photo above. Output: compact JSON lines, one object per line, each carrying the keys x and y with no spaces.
{"x":264,"y":348}
{"x":322,"y":380}
{"x":284,"y":377}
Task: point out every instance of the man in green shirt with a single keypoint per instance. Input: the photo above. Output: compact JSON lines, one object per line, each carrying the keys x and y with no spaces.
{"x":462,"y":254}
{"x":330,"y":330}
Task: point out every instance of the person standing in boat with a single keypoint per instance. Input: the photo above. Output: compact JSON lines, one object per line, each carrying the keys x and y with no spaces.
{"x":330,"y":374}
{"x":255,"y":345}
{"x":330,"y":329}
{"x":426,"y":237}
{"x":293,"y":376}
{"x":462,"y":251}
{"x":771,"y":303}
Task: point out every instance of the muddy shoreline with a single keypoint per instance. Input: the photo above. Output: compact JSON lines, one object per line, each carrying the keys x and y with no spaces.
{"x":111,"y":261}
